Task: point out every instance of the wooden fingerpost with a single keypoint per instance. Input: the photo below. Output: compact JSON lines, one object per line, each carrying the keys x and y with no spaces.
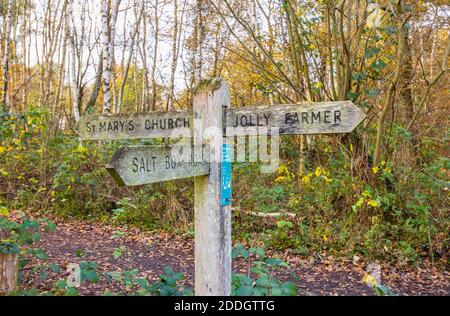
{"x":9,"y":273}
{"x":212,"y":220}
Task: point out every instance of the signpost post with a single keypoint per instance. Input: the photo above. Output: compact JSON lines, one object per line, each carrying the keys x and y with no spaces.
{"x":210,"y":124}
{"x":212,"y":220}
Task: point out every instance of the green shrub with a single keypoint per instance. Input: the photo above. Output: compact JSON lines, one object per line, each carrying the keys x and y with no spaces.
{"x":260,"y":279}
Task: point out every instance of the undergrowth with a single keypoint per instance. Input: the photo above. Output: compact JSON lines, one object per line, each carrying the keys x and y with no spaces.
{"x":332,"y":200}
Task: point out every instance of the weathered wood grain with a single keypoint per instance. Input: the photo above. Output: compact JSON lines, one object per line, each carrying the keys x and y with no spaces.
{"x":135,"y":126}
{"x":212,"y":221}
{"x":9,"y":272}
{"x":314,"y":118}
{"x":137,"y":165}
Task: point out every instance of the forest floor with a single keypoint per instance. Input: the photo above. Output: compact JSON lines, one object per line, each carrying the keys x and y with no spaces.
{"x":74,"y":241}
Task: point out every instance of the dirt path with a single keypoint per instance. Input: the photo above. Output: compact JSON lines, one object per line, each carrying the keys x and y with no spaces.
{"x":75,"y":241}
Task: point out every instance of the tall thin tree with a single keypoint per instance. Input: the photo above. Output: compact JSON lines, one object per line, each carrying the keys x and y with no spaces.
{"x":105,"y":39}
{"x":6,"y":55}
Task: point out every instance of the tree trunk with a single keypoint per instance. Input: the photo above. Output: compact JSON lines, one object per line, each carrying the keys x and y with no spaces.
{"x":130,"y":57}
{"x":390,"y":95}
{"x":155,"y":57}
{"x":200,"y":35}
{"x":145,"y":105}
{"x":294,"y":51}
{"x":173,"y":67}
{"x":114,"y":14}
{"x":97,"y":85}
{"x":5,"y":64}
{"x":106,"y":59}
{"x":58,"y":99}
{"x":73,"y":62}
{"x":406,"y":94}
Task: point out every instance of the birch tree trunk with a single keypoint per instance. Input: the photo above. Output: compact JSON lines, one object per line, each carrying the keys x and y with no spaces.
{"x":112,"y":32}
{"x":173,"y":67}
{"x":70,"y":29}
{"x":5,"y":63}
{"x":155,"y":57}
{"x":58,"y":99}
{"x":105,"y":39}
{"x":145,"y":105}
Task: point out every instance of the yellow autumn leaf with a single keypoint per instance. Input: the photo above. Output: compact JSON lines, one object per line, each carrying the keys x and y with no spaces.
{"x":360,"y":202}
{"x":318,"y":172}
{"x":294,"y":202}
{"x":283,"y":169}
{"x":366,"y":194}
{"x":81,"y":149}
{"x":372,"y":203}
{"x":4,"y":211}
{"x":4,"y":172}
{"x":281,"y":179}
{"x":369,"y":279}
{"x":318,"y":85}
{"x":306,"y":179}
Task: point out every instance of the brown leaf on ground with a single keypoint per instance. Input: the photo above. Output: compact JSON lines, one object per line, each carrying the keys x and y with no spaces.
{"x":149,"y":252}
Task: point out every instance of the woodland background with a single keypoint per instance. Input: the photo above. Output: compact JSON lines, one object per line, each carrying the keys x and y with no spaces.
{"x":380,"y":192}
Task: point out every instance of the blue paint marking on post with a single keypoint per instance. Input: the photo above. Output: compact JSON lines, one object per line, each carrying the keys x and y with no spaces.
{"x":226,"y":175}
